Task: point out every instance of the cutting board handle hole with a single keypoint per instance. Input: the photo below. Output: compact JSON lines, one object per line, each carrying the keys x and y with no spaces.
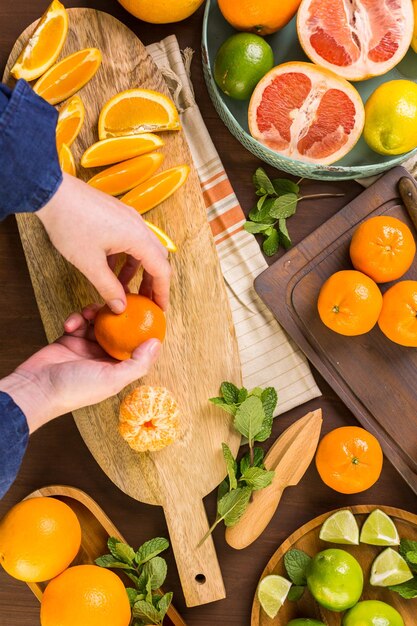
{"x":200,"y":579}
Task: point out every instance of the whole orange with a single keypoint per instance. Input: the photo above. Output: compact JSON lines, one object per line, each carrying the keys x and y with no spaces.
{"x":398,"y":319}
{"x":382,"y":247}
{"x":85,"y":595}
{"x":39,"y":538}
{"x":161,"y":11}
{"x":262,"y":17}
{"x":120,"y":335}
{"x":349,"y":303}
{"x":349,"y":459}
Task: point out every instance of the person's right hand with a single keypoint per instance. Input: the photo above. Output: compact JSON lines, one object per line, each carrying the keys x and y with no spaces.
{"x":89,"y":228}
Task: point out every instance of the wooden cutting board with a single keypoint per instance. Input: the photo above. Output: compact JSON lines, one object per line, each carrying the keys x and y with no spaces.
{"x":307,"y":538}
{"x":200,"y":350}
{"x":374,"y":377}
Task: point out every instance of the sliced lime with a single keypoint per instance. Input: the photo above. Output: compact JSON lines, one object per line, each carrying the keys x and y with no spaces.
{"x":379,"y":530}
{"x":389,"y":568}
{"x":272,"y":592}
{"x":341,"y":527}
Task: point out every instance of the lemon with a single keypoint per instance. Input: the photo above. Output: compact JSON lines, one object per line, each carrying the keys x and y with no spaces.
{"x":272,"y":593}
{"x":389,"y":568}
{"x":379,"y":530}
{"x":391,"y":118}
{"x":414,"y":39}
{"x":341,"y":527}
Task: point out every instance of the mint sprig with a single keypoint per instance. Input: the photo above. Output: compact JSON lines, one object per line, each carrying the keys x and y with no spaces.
{"x":408,"y":550}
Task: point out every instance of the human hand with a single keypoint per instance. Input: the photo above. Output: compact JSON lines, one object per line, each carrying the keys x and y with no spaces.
{"x":90,"y":228}
{"x":73,"y":372}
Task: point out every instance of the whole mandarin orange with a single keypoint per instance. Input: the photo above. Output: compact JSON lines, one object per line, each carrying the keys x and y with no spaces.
{"x":382,"y":247}
{"x":262,"y":17}
{"x":349,"y":459}
{"x":39,"y":538}
{"x":349,"y":303}
{"x":398,"y":318}
{"x":85,"y":595}
{"x":120,"y":335}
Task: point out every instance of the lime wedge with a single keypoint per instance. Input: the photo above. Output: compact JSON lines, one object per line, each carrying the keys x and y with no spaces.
{"x":379,"y":530}
{"x":341,"y":527}
{"x":272,"y":592}
{"x":389,"y":568}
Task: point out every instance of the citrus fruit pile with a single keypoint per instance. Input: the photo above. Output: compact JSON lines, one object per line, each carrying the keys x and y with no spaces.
{"x":350,"y":303}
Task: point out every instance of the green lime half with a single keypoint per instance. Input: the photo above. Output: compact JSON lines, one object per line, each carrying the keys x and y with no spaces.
{"x":335,"y":579}
{"x":272,"y":593}
{"x":341,"y":527}
{"x":389,"y":568}
{"x":240,"y":63}
{"x":379,"y":530}
{"x":372,"y":613}
{"x":305,"y":621}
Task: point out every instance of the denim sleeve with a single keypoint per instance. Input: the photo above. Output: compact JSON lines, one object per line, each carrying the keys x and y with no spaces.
{"x":14,"y":436}
{"x":29,"y":168}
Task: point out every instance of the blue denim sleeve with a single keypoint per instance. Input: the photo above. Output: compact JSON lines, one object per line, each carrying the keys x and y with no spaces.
{"x":29,"y":168}
{"x":14,"y":436}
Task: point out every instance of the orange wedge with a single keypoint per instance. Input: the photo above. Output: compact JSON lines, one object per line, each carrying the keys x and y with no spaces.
{"x":70,"y":121}
{"x":146,"y":196}
{"x":137,"y":111}
{"x":68,"y":76}
{"x":66,"y":160}
{"x":124,"y":176}
{"x":45,"y":44}
{"x":119,"y":149}
{"x":162,"y":236}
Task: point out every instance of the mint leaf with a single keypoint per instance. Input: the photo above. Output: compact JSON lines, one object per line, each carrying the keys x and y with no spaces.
{"x":108,"y":560}
{"x":257,"y":478}
{"x":255,"y":228}
{"x":411,"y":557}
{"x":229,"y":392}
{"x":261,"y":214}
{"x":263,"y":183}
{"x":284,"y":206}
{"x":146,"y":612}
{"x":261,"y":201}
{"x":407,"y":590}
{"x":271,"y":244}
{"x":295,"y":593}
{"x":163,"y":604}
{"x":258,"y":458}
{"x":231,"y":465}
{"x":121,"y":551}
{"x":296,"y":563}
{"x":132,"y":594}
{"x":284,"y":185}
{"x":269,"y":400}
{"x":229,"y":408}
{"x":232,"y":506}
{"x":155,"y":570}
{"x":223,"y":488}
{"x":266,"y":430}
{"x":243,"y":394}
{"x":284,"y":237}
{"x":249,"y":417}
{"x":151,"y":549}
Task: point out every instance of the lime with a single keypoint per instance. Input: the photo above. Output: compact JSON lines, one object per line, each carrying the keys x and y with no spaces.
{"x":335,"y":579}
{"x":372,"y":613}
{"x":389,"y":568}
{"x":391,"y":117}
{"x":379,"y":530}
{"x":240,"y":63}
{"x":341,"y":527}
{"x":272,"y":592}
{"x":305,"y":621}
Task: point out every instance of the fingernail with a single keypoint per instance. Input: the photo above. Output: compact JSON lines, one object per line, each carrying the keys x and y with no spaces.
{"x":117,"y":306}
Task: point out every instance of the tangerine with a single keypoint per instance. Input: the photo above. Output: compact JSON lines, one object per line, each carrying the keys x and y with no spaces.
{"x":349,"y":459}
{"x":120,"y":335}
{"x":262,"y":17}
{"x":398,"y":319}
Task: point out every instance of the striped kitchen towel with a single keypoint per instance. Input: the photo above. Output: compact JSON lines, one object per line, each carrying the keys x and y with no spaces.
{"x":268,"y":356}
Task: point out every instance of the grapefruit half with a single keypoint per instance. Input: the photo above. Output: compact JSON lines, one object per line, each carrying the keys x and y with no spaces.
{"x":357,"y":39}
{"x":306,"y":112}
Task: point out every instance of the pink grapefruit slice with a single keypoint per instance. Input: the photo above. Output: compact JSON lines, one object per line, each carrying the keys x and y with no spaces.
{"x":306,"y":112}
{"x":357,"y":39}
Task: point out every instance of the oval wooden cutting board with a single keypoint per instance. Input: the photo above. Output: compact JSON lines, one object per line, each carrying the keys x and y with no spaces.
{"x":307,"y":538}
{"x":200,"y":350}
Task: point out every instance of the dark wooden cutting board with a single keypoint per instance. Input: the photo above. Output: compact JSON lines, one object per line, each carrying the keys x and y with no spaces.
{"x":376,"y":378}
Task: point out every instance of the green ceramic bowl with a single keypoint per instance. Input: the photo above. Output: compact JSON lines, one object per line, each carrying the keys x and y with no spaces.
{"x":359,"y":163}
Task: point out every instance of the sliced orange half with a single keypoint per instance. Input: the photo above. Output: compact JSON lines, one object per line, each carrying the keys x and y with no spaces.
{"x":66,"y":160}
{"x":70,"y":121}
{"x":162,"y":236}
{"x":68,"y":76}
{"x":124,"y":176}
{"x":137,"y":111}
{"x":45,"y":44}
{"x":146,"y":196}
{"x":119,"y":149}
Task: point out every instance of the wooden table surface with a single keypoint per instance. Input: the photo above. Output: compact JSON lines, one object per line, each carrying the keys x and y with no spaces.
{"x":57,"y":454}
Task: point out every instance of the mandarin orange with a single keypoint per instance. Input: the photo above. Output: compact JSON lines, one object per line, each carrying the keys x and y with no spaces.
{"x":262,"y":17}
{"x":398,"y":319}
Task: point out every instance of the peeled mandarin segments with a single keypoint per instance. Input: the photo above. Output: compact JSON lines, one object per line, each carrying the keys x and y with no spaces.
{"x":149,"y":419}
{"x":398,"y":319}
{"x":161,"y":11}
{"x":124,"y":176}
{"x":148,"y":195}
{"x":137,"y":111}
{"x":356,"y":40}
{"x":66,"y":160}
{"x":68,"y":76}
{"x":262,"y":17}
{"x":162,"y":236}
{"x":117,"y":149}
{"x":45,"y":44}
{"x":70,"y":121}
{"x":306,"y":112}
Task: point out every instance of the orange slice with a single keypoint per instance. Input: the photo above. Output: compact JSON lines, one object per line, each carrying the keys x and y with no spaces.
{"x":306,"y":112}
{"x":70,"y":120}
{"x":146,"y":196}
{"x":162,"y":236}
{"x":45,"y":44}
{"x":357,"y":40}
{"x":68,"y":76}
{"x":66,"y":160}
{"x":124,"y":176}
{"x":119,"y":149}
{"x":137,"y":111}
